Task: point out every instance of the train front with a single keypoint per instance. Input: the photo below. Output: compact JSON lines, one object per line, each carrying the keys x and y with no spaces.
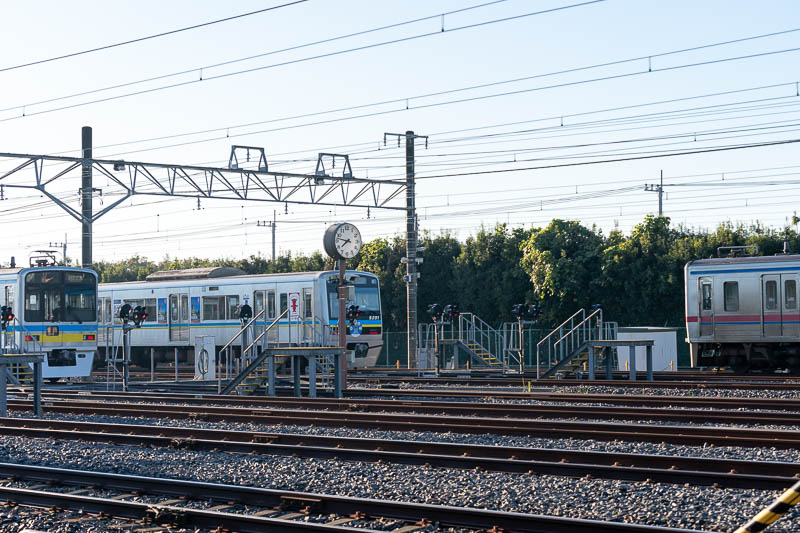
{"x":364,"y":335}
{"x":59,"y":317}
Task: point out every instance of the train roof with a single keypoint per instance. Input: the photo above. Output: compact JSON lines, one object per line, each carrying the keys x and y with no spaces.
{"x":197,"y":275}
{"x":17,"y":270}
{"x":745,"y":260}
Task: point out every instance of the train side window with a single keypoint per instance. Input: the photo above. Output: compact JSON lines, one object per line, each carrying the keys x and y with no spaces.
{"x":731,"y":289}
{"x":232,"y":307}
{"x":271,"y":305}
{"x":706,"y":288}
{"x":284,"y":302}
{"x":790,"y":294}
{"x":212,"y":307}
{"x":771,"y":295}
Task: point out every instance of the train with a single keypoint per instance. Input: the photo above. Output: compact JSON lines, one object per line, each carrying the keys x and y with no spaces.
{"x":54,"y":311}
{"x":743,"y":312}
{"x":184,"y":304}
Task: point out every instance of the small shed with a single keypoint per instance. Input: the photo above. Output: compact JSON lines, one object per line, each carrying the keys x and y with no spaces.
{"x":665,"y":348}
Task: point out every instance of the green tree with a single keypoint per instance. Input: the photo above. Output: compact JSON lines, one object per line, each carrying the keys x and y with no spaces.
{"x":564,"y":263}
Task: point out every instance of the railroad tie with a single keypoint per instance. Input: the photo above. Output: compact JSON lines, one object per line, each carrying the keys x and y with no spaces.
{"x":779,"y":507}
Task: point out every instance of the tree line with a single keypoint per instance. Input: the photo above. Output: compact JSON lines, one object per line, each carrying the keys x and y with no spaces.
{"x":638,"y":278}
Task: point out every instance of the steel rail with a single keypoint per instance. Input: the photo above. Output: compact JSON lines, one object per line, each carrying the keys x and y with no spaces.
{"x":358,"y":396}
{"x":541,"y":461}
{"x":678,"y":434}
{"x":476,"y":409}
{"x":556,"y":383}
{"x":306,"y":503}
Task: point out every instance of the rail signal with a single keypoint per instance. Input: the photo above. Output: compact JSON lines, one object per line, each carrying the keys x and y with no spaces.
{"x":451,"y":312}
{"x":125,"y":312}
{"x":435,"y":310}
{"x":139,"y":315}
{"x":352,"y":314}
{"x":526,"y":312}
{"x":6,"y":316}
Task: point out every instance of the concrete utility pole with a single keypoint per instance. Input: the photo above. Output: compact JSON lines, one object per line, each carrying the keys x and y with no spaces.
{"x":659,"y":188}
{"x":267,"y":224}
{"x":411,"y":244}
{"x":86,"y":197}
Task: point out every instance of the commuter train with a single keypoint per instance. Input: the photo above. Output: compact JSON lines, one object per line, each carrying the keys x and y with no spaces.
{"x":55,"y":313}
{"x":183,"y":304}
{"x":743,"y":312}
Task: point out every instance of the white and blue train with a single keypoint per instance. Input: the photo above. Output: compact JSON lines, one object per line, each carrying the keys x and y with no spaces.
{"x":55,"y":313}
{"x":183,"y":304}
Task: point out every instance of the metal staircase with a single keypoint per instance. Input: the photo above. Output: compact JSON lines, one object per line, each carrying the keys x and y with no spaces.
{"x":484,"y":345}
{"x":254,"y":374}
{"x":18,"y":340}
{"x":565,"y":351}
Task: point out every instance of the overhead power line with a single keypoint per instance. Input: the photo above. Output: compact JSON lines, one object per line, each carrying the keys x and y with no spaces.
{"x":618,"y":160}
{"x":154,"y":36}
{"x":202,"y":78}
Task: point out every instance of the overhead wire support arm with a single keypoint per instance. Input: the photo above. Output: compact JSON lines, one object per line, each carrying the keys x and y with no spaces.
{"x":192,"y":181}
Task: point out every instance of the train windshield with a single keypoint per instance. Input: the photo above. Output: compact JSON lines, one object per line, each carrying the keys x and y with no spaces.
{"x":367,"y":298}
{"x":60,"y":296}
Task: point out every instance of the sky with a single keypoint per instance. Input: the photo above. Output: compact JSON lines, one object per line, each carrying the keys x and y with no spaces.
{"x":532,"y":113}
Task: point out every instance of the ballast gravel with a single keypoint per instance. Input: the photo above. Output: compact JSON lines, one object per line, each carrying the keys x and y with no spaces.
{"x":610,"y":500}
{"x":616,"y":446}
{"x":707,"y":390}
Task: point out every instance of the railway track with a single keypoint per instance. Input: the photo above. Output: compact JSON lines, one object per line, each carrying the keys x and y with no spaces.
{"x":279,"y":510}
{"x":541,"y":461}
{"x":518,"y":381}
{"x":676,"y":434}
{"x":362,"y":396}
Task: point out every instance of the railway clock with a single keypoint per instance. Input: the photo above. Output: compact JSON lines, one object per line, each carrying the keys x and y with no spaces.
{"x":342,"y":240}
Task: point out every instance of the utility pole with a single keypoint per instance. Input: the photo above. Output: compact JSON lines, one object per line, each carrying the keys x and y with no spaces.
{"x":659,"y":188}
{"x":63,"y":246}
{"x":268,"y":224}
{"x":86,"y":197}
{"x":411,"y":244}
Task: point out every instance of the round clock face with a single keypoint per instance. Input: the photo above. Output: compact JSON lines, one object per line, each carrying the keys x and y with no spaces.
{"x":342,"y":241}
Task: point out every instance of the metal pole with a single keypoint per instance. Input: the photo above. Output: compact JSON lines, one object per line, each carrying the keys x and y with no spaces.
{"x":3,"y":385}
{"x":176,"y":363}
{"x":152,"y":365}
{"x":126,"y":350}
{"x":86,"y":197}
{"x":273,"y":236}
{"x":37,"y":389}
{"x":411,"y":252}
{"x":342,"y":323}
{"x":660,"y":194}
{"x":521,"y":350}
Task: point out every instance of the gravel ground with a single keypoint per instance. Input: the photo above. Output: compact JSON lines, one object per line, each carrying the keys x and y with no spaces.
{"x":726,"y":452}
{"x":656,"y":504}
{"x":706,"y":391}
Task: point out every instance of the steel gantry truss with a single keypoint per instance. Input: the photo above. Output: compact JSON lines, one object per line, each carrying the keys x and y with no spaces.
{"x":190,"y":181}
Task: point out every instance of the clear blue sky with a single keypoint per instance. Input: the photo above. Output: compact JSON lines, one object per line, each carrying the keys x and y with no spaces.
{"x":582,"y":36}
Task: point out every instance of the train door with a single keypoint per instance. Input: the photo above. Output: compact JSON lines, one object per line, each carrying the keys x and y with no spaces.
{"x":706,"y":312}
{"x":178,"y":317}
{"x":308,"y":315}
{"x":771,"y":309}
{"x":262,"y":300}
{"x":790,"y":318}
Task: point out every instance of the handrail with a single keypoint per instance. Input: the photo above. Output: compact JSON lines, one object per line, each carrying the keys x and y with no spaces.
{"x":245,"y":327}
{"x":219,"y":373}
{"x":249,"y":368}
{"x":579,"y":311}
{"x":266,"y":330}
{"x":580,"y":324}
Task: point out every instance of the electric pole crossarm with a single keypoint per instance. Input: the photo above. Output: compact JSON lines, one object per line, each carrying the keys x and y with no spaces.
{"x":109,"y":207}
